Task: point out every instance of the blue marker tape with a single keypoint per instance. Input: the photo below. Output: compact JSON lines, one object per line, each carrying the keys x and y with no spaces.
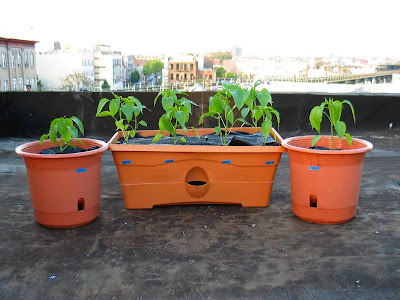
{"x":314,"y":168}
{"x":126,"y":162}
{"x":81,"y":170}
{"x":270,"y":162}
{"x":226,"y":161}
{"x":169,"y":161}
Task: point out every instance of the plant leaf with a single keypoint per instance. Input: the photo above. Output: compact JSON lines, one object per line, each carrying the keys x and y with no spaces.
{"x":239,"y":95}
{"x":119,"y":125}
{"x":167,"y":103}
{"x":167,"y":123}
{"x":157,"y":137}
{"x":349,"y":138}
{"x":78,"y":123}
{"x":316,"y":118}
{"x":114,"y":106}
{"x":127,"y":110}
{"x":264,"y":97}
{"x":340,"y":128}
{"x":43,"y":137}
{"x":266,"y":126}
{"x":315,"y":139}
{"x":105,"y":113}
{"x":244,"y":112}
{"x":183,"y":140}
{"x":351,"y":107}
{"x":73,"y":131}
{"x":336,"y":111}
{"x":101,"y":105}
{"x":181,"y":117}
{"x":217,"y":130}
{"x":143,"y":123}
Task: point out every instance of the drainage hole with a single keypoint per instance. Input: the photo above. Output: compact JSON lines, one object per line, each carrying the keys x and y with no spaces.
{"x":313,"y":201}
{"x":196,"y":182}
{"x":81,"y":204}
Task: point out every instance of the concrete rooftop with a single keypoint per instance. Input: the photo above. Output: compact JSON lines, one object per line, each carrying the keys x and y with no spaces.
{"x":205,"y":252}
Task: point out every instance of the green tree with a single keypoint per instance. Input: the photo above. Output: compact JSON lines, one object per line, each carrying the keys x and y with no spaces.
{"x":153,"y":66}
{"x":75,"y":82}
{"x":230,"y":75}
{"x":135,"y":76}
{"x":105,"y":86}
{"x":220,"y":72}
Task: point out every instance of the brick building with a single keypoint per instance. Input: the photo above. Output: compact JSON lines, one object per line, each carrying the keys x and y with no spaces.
{"x":17,"y":65}
{"x":188,"y":70}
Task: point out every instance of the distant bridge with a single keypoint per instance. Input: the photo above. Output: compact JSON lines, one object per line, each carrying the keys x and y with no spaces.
{"x":376,"y":77}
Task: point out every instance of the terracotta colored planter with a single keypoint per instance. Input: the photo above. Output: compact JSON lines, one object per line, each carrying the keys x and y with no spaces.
{"x":65,"y":188}
{"x":325,"y":184}
{"x":185,"y":174}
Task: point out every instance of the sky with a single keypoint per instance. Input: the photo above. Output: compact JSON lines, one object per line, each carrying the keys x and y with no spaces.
{"x":260,"y":27}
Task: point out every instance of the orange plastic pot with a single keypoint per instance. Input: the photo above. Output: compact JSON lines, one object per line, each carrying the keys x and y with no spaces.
{"x":185,"y":174}
{"x":325,"y":184}
{"x":65,"y":188}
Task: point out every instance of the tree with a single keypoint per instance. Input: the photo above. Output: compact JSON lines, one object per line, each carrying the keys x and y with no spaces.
{"x":135,"y":76}
{"x":153,"y":66}
{"x":230,"y":75}
{"x":220,"y":72}
{"x":105,"y":86}
{"x":76,"y":82}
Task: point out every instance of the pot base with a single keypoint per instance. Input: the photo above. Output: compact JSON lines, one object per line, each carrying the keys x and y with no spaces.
{"x":67,"y":220}
{"x":323,"y":216}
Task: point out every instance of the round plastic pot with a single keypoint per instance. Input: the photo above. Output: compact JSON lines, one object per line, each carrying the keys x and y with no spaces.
{"x":65,"y":188}
{"x":325,"y":184}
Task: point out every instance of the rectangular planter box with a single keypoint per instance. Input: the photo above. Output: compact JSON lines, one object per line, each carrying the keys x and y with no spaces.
{"x":185,"y":174}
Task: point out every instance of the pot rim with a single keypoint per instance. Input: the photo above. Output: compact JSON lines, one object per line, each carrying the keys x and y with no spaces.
{"x":22,"y":150}
{"x":285,"y":143}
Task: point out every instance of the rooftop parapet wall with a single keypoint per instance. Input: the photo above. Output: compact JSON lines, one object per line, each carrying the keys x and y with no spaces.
{"x":28,"y":114}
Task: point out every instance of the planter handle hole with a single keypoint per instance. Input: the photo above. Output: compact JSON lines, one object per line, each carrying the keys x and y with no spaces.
{"x":81,"y":204}
{"x":313,"y":201}
{"x":197,"y":183}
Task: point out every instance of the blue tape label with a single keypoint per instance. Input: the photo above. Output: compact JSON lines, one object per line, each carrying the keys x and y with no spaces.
{"x":314,"y":168}
{"x":226,"y":161}
{"x":270,"y":162}
{"x":126,"y":162}
{"x":81,"y":170}
{"x":169,"y":161}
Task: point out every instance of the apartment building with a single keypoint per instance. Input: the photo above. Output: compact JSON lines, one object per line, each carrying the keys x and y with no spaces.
{"x":108,"y":67}
{"x":189,"y":69}
{"x":17,"y":65}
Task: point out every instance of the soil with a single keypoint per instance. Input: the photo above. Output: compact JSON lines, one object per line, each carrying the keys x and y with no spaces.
{"x":67,"y":150}
{"x":234,"y":139}
{"x":321,"y":148}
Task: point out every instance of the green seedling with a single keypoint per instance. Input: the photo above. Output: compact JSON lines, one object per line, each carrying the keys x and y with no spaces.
{"x":65,"y":128}
{"x":124,"y":111}
{"x":259,"y":106}
{"x":177,"y":113}
{"x":334,"y":108}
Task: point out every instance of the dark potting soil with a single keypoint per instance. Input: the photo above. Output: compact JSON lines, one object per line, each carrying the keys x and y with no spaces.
{"x":67,"y":150}
{"x":321,"y":148}
{"x":234,"y":139}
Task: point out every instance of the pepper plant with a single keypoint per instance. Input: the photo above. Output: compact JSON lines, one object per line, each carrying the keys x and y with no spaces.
{"x":334,"y":112}
{"x":65,"y":128}
{"x":177,"y":113}
{"x":259,"y":106}
{"x":124,"y":111}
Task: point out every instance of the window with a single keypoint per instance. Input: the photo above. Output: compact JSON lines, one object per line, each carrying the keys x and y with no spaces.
{"x":3,"y":60}
{"x":191,"y":67}
{"x":33,"y":83}
{"x":32,"y":61}
{"x":177,"y":77}
{"x":5,"y":84}
{"x":185,"y":77}
{"x":21,"y":83}
{"x":177,"y":66}
{"x":191,"y":77}
{"x":209,"y":77}
{"x":12,"y":60}
{"x":19,"y":59}
{"x":172,"y":76}
{"x":171,"y":66}
{"x":14,"y":84}
{"x":26,"y":60}
{"x":185,"y":67}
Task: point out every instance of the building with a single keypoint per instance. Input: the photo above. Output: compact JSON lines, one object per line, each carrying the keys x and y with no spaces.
{"x":108,"y":67}
{"x":54,"y":65}
{"x":189,"y":69}
{"x":18,"y":65}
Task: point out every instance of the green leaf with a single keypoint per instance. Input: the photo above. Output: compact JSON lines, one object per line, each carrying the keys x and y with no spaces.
{"x":66,"y":135}
{"x":101,"y":105}
{"x":315,"y":139}
{"x":43,"y":137}
{"x":53,"y":134}
{"x":132,"y":133}
{"x":276,"y":113}
{"x":336,"y":111}
{"x":114,"y":106}
{"x":316,"y":118}
{"x":157,"y":138}
{"x":143,"y":123}
{"x":127,"y":110}
{"x":340,"y":128}
{"x":73,"y":131}
{"x":119,"y":125}
{"x":216,"y":103}
{"x":183,"y":140}
{"x":78,"y":123}
{"x":104,"y":114}
{"x":266,"y":126}
{"x":244,"y":112}
{"x":349,"y":138}
{"x":167,"y":103}
{"x":181,"y":117}
{"x":239,"y":95}
{"x":351,"y":107}
{"x":166,"y":121}
{"x":230,"y":116}
{"x":264,"y":97}
{"x":217,"y":130}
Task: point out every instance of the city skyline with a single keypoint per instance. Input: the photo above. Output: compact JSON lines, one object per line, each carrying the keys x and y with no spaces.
{"x":284,"y":28}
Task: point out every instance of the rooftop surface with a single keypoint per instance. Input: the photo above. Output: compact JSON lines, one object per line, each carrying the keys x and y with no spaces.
{"x":201,"y":251}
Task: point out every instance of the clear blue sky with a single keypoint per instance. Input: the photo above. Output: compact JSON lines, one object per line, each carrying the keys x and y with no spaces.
{"x":281,"y":27}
